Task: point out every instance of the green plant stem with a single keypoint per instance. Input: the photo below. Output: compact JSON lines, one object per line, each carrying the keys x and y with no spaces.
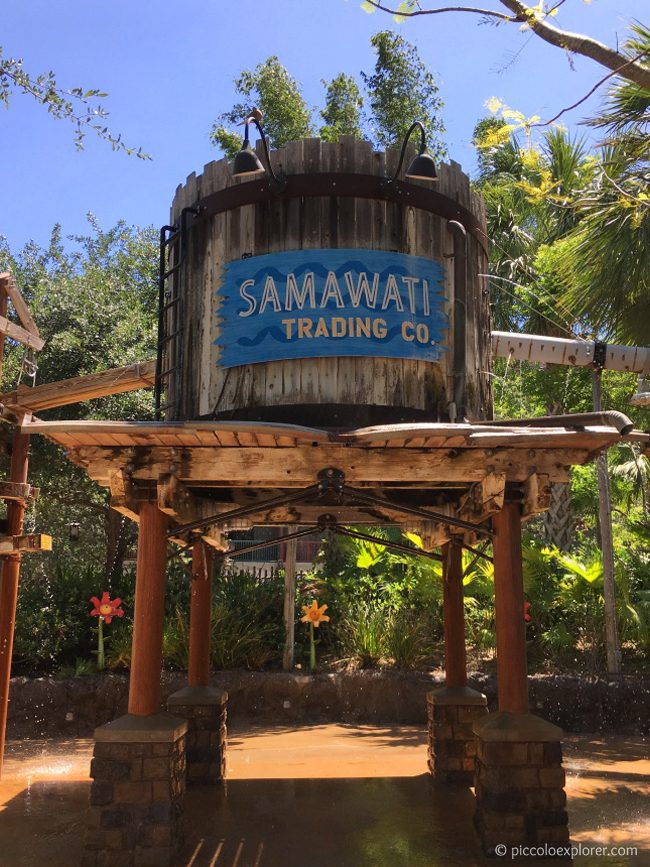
{"x":100,"y":645}
{"x":312,"y":648}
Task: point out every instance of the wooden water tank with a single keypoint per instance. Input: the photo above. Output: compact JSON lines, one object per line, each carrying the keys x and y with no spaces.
{"x":235,"y":344}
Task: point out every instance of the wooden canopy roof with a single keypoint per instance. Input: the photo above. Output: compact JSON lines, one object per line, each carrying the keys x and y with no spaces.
{"x":253,"y":434}
{"x":433,"y":478}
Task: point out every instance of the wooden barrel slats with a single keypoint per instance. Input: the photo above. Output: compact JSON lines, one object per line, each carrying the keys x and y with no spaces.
{"x":332,"y":391}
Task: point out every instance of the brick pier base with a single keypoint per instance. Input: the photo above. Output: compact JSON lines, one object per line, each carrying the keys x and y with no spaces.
{"x":205,"y":710}
{"x":451,"y":712}
{"x":520,"y":798}
{"x":137,"y":793}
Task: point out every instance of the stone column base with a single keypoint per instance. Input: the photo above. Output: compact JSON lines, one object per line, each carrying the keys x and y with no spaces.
{"x":451,"y":712}
{"x":137,"y":793}
{"x":520,"y":798}
{"x":205,"y":710}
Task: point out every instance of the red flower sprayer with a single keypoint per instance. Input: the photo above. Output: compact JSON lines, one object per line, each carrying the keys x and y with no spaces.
{"x":105,"y":610}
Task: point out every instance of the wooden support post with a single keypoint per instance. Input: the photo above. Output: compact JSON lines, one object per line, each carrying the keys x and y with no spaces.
{"x":289,"y":604}
{"x":198,"y":670}
{"x":454,"y":614}
{"x":512,"y":676}
{"x":146,"y":652}
{"x":9,"y":581}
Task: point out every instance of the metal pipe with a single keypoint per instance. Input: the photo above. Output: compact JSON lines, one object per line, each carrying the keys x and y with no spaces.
{"x":162,"y":265}
{"x":459,"y":235}
{"x":266,"y":543}
{"x":243,"y":511}
{"x":609,"y":418}
{"x":440,"y":518}
{"x":395,"y":546}
{"x":571,"y":352}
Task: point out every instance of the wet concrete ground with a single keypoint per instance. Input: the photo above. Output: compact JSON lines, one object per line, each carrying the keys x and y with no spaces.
{"x":324,"y":796}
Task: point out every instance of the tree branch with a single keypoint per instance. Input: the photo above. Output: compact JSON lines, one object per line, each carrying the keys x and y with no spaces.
{"x":589,"y":93}
{"x":577,"y":43}
{"x":489,"y":13}
{"x":584,"y":45}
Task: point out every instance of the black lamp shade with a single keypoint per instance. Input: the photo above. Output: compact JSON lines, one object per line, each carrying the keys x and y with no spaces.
{"x":422,"y":168}
{"x":246,"y":162}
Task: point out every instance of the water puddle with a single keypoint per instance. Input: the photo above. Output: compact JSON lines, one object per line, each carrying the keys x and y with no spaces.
{"x":323,"y":796}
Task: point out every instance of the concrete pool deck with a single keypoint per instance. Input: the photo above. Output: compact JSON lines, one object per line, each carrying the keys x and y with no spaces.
{"x":330,"y":795}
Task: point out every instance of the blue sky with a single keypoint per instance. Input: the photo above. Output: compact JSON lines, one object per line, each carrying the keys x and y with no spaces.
{"x":168,"y":68}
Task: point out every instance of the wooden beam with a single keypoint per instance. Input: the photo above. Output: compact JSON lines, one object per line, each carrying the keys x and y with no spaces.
{"x":15,"y":332}
{"x":433,"y":535}
{"x":121,"y":487}
{"x":20,"y":305}
{"x":198,"y":670}
{"x":484,"y":498}
{"x":176,"y":500}
{"x":80,"y":388}
{"x":16,"y":491}
{"x":183,"y":507}
{"x":146,"y":653}
{"x":289,"y":604}
{"x":454,"y":616}
{"x":9,"y":582}
{"x":537,"y":495}
{"x":512,"y":680}
{"x":298,"y":467}
{"x":25,"y":544}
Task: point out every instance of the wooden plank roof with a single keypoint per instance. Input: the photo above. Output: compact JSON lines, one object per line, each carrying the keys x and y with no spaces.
{"x":243,"y":434}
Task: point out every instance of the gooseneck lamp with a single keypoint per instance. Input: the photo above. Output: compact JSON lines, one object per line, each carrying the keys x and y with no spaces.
{"x":248,"y":163}
{"x":422,"y":168}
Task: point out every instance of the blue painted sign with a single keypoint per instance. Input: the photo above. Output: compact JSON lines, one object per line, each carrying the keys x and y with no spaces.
{"x":315,"y":303}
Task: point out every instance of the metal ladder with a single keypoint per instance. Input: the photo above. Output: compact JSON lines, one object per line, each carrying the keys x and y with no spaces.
{"x":169,"y":356}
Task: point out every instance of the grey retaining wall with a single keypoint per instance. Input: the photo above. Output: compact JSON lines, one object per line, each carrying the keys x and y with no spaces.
{"x":45,"y":707}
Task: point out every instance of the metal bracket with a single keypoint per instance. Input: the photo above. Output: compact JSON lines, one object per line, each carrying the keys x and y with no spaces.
{"x":330,"y":480}
{"x":600,"y":355}
{"x":328,"y":524}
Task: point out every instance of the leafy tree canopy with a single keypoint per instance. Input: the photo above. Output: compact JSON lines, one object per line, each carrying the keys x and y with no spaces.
{"x":343,"y":105}
{"x":401,"y":89}
{"x":270,"y":88}
{"x":77,"y":105}
{"x":398,"y":91}
{"x":539,"y":19}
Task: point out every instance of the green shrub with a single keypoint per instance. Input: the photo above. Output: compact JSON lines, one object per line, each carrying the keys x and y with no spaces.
{"x":363,"y":634}
{"x":239,"y":640}
{"x":176,"y":640}
{"x":408,"y":638}
{"x":118,"y":655}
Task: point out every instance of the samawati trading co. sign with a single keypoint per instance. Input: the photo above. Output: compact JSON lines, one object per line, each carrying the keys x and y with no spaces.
{"x":314,"y":303}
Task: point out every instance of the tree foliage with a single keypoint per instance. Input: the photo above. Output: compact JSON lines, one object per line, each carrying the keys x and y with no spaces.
{"x":398,"y":91}
{"x":77,"y":105}
{"x":96,"y":306}
{"x":605,"y":263}
{"x":342,"y":111}
{"x":272,"y":89}
{"x":401,"y":89}
{"x":539,"y":20}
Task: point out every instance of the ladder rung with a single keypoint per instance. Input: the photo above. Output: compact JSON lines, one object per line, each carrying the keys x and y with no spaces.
{"x":172,"y":238}
{"x":168,"y":337}
{"x":171,"y":271}
{"x":169,"y":370}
